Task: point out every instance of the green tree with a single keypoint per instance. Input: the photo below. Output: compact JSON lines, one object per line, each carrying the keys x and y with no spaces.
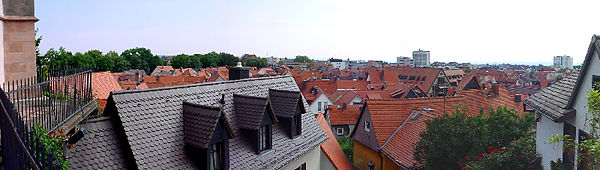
{"x":80,"y":60}
{"x":256,"y":62}
{"x":195,"y":61}
{"x":302,"y":59}
{"x":281,"y":63}
{"x":120,"y":63}
{"x":105,"y":62}
{"x":142,"y":58}
{"x":562,"y":70}
{"x":449,"y":138}
{"x":347,"y":146}
{"x":180,"y":61}
{"x":58,"y":59}
{"x":40,"y":60}
{"x":210,"y":59}
{"x":226,"y":59}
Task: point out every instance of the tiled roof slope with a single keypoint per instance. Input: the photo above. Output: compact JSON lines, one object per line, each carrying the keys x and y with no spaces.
{"x":153,"y":124}
{"x":401,"y":145}
{"x":331,"y":147}
{"x":249,"y":110}
{"x":102,"y":84}
{"x":284,"y":102}
{"x":552,"y":101}
{"x":343,"y":117}
{"x":100,"y":148}
{"x":199,"y":124}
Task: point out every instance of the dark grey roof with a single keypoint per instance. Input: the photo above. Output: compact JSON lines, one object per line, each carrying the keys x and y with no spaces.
{"x":99,"y":148}
{"x":249,"y":111}
{"x":199,"y":124}
{"x":284,"y":102}
{"x":552,"y":101}
{"x":152,"y":122}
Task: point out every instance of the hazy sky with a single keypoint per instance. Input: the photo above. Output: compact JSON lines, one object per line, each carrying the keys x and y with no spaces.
{"x":513,"y":31}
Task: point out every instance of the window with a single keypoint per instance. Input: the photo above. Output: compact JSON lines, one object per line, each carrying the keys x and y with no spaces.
{"x":264,"y":137}
{"x":411,"y":78}
{"x":297,"y":125}
{"x":339,"y":131}
{"x":216,"y":156}
{"x":595,"y":80}
{"x":367,"y":126}
{"x":301,"y":167}
{"x":325,"y":105}
{"x":320,"y":106}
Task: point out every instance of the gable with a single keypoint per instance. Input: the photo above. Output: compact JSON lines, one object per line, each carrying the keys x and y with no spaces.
{"x":363,"y":136}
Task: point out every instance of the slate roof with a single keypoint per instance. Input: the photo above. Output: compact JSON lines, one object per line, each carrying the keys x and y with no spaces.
{"x":552,"y":101}
{"x":284,"y":102}
{"x":199,"y":124}
{"x":250,"y":110}
{"x":331,"y":147}
{"x":100,"y":148}
{"x":153,"y":126}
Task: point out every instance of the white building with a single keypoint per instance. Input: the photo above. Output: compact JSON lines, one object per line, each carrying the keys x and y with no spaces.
{"x":338,"y":63}
{"x":320,"y":103}
{"x":405,"y":61}
{"x":565,"y":115}
{"x":563,"y":62}
{"x":421,"y":58}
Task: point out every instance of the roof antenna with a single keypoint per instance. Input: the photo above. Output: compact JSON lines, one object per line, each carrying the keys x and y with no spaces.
{"x":222,"y":101}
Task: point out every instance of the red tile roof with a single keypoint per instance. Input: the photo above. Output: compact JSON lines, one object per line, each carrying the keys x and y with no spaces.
{"x":351,"y":84}
{"x":375,"y":77}
{"x":331,"y":148}
{"x":401,"y":145}
{"x":339,"y":116}
{"x":390,"y":77}
{"x":102,"y":84}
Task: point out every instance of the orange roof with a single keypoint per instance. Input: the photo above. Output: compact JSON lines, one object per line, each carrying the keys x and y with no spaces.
{"x":401,"y":145}
{"x":375,"y":77}
{"x":390,"y":77}
{"x":329,"y":87}
{"x":142,"y":86}
{"x":331,"y":147}
{"x":164,"y":68}
{"x":424,"y":77}
{"x":343,"y":117}
{"x":103,"y":83}
{"x":351,"y":84}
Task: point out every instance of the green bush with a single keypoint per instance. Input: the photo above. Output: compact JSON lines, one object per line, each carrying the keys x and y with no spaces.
{"x":347,"y":146}
{"x":54,"y":144}
{"x":519,"y":154}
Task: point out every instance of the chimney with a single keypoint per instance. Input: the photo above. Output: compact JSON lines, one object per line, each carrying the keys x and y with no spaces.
{"x":344,"y":106}
{"x":238,"y":72}
{"x":517,"y":97}
{"x":496,"y":89}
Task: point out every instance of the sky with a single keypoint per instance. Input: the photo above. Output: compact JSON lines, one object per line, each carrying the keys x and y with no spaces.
{"x":508,"y":31}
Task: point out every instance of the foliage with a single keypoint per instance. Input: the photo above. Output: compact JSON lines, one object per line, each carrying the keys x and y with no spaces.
{"x":302,"y":59}
{"x":54,"y":144}
{"x":519,"y":154}
{"x":467,"y":71}
{"x":142,"y":58}
{"x":562,"y":70}
{"x":347,"y":146}
{"x":209,"y":60}
{"x":80,"y":60}
{"x":281,"y":63}
{"x":58,"y":59}
{"x":195,"y":61}
{"x":588,"y":149}
{"x":558,"y":165}
{"x":180,"y":61}
{"x":256,"y":62}
{"x":449,"y":138}
{"x":226,"y":59}
{"x":531,"y":73}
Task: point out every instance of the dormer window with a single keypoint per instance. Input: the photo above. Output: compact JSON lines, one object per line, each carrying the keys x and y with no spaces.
{"x":367,"y":126}
{"x":255,"y":119}
{"x":216,"y":156}
{"x":289,"y":107}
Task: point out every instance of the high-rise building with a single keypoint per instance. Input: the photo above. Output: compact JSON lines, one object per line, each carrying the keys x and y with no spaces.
{"x":405,"y":61}
{"x":421,"y":58}
{"x":563,"y":62}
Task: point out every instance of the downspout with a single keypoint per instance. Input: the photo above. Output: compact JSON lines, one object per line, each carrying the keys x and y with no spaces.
{"x":380,"y":159}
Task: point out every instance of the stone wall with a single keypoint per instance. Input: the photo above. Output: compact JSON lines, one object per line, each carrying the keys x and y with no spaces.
{"x":19,"y":48}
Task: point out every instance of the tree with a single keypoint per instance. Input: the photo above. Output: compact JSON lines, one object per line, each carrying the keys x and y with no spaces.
{"x":80,"y":60}
{"x":562,"y":70}
{"x":210,"y":59}
{"x":58,"y":59}
{"x":195,"y":61}
{"x":180,"y":61}
{"x":347,"y":146}
{"x":519,"y":154}
{"x":302,"y":59}
{"x":226,"y":59}
{"x":142,"y":58}
{"x":281,"y":63}
{"x":105,"y":62}
{"x":256,"y":62}
{"x":120,"y":63}
{"x":449,"y":138}
{"x":588,"y":149}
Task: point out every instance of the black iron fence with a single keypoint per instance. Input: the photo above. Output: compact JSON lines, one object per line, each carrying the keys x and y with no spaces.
{"x":51,"y":97}
{"x":21,"y":147}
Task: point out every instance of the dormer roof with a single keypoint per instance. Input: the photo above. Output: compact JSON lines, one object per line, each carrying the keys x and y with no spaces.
{"x":285,"y":102}
{"x":250,"y":110}
{"x":200,"y":122}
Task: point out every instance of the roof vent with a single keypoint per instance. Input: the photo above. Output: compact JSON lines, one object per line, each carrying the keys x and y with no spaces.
{"x":428,"y":110}
{"x":415,"y":117}
{"x":239,"y":65}
{"x":222,"y":101}
{"x":517,"y":97}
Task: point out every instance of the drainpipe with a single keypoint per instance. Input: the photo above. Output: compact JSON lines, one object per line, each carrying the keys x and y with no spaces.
{"x":380,"y":159}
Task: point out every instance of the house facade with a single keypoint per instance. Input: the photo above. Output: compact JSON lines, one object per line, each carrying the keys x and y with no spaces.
{"x":320,"y":103}
{"x":561,"y":110}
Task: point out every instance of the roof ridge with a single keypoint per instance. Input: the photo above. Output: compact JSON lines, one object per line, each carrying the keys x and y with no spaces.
{"x":418,"y":98}
{"x":248,"y":96}
{"x":203,"y":106}
{"x":197,"y":84}
{"x":280,"y":90}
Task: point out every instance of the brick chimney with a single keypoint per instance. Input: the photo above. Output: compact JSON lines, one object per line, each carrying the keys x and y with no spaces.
{"x":238,"y":72}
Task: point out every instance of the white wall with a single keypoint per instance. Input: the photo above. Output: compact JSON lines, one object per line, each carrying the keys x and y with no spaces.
{"x":356,"y":99}
{"x":312,"y":160}
{"x":326,"y":163}
{"x":315,"y":103}
{"x":549,"y":152}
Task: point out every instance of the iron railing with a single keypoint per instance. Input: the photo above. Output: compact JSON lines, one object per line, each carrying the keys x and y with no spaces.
{"x":21,"y":147}
{"x":51,"y":97}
